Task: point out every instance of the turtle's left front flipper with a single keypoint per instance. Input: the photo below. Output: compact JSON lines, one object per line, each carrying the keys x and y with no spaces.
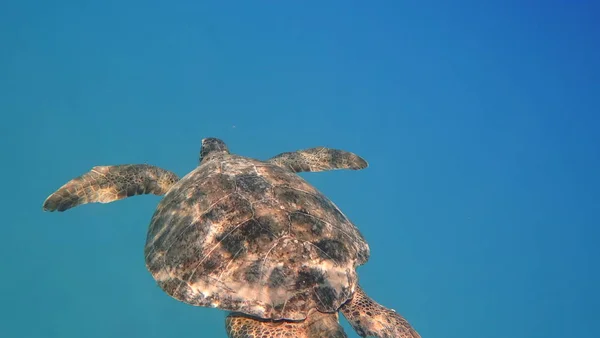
{"x":105,"y":184}
{"x":319,"y":159}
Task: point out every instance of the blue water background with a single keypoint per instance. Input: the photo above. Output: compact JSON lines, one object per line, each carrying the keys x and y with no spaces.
{"x":480,"y":121}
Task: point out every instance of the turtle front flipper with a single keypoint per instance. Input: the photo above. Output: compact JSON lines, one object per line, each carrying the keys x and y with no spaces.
{"x":319,"y":159}
{"x":316,"y":325}
{"x":105,"y":184}
{"x":370,"y":319}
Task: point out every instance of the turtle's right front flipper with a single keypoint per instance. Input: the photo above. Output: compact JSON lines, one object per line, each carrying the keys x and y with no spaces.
{"x":105,"y":184}
{"x":318,"y":159}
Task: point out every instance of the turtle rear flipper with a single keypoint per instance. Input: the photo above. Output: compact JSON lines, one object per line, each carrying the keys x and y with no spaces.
{"x":318,"y":159}
{"x":316,"y":325}
{"x":105,"y":184}
{"x":370,"y":319}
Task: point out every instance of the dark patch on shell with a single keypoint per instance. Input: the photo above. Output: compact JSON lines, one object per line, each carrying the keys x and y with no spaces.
{"x":309,"y":277}
{"x":280,"y":276}
{"x":232,"y":242}
{"x":212,"y":263}
{"x":249,"y":236}
{"x":300,"y":299}
{"x":326,"y":296}
{"x":363,"y":255}
{"x":252,"y":274}
{"x":305,"y":227}
{"x":217,"y":213}
{"x":268,"y":223}
{"x":332,"y":249}
{"x":219,"y":181}
{"x":232,"y":209}
{"x":208,"y":265}
{"x":289,"y":195}
{"x":302,"y":223}
{"x":253,"y":184}
{"x":197,"y":195}
{"x":258,"y":232}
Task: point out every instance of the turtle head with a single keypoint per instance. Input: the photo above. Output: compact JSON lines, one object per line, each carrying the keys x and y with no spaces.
{"x":211,"y":145}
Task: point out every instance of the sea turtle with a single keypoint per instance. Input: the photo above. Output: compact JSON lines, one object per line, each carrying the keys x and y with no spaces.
{"x":250,"y":237}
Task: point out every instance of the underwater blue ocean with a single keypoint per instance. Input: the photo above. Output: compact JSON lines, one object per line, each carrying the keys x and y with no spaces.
{"x":479,"y":120}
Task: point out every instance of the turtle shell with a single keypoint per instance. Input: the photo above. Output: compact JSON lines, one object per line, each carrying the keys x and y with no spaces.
{"x":244,"y":235}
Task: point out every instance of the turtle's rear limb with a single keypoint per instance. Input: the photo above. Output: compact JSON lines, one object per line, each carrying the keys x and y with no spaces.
{"x":370,"y":319}
{"x":106,"y":184}
{"x":316,"y":325}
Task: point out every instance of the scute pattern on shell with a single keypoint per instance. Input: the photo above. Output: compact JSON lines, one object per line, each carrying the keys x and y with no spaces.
{"x":244,"y":235}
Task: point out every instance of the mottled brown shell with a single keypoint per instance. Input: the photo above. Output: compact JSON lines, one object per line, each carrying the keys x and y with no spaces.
{"x":244,"y":235}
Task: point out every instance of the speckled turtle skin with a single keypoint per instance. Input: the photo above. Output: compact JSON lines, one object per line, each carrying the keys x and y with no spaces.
{"x":249,"y":236}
